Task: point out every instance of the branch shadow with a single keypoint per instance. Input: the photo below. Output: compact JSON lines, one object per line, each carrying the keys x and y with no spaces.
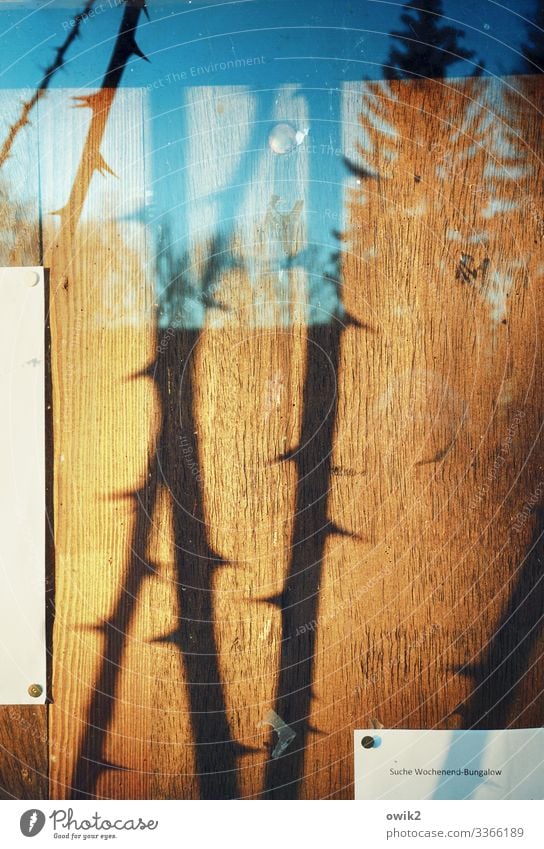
{"x":173,"y":467}
{"x":312,"y":527}
{"x":498,"y":674}
{"x":299,"y":601}
{"x":56,"y":65}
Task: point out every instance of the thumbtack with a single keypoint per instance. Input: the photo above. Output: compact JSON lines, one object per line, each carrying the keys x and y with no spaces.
{"x":367,"y":742}
{"x":32,"y":278}
{"x":35,"y":690}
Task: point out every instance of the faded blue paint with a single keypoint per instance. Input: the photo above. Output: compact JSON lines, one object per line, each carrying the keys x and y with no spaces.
{"x":258,"y":46}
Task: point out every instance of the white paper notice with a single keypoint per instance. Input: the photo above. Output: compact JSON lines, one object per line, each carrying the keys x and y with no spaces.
{"x":449,"y":764}
{"x":22,"y":487}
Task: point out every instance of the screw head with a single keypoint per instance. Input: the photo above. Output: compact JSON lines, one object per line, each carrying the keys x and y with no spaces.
{"x":35,"y":690}
{"x":367,"y":742}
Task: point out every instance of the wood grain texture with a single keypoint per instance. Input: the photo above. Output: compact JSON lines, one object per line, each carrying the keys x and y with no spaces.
{"x":177,"y":545}
{"x":23,"y":730}
{"x":98,"y":285}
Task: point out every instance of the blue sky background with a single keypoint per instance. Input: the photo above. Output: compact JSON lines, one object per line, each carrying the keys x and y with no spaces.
{"x":346,"y":39}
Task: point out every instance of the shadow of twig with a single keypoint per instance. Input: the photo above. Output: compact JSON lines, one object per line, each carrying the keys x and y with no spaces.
{"x":174,"y":466}
{"x":49,"y":73}
{"x":100,"y":104}
{"x":299,"y":600}
{"x":498,"y":674}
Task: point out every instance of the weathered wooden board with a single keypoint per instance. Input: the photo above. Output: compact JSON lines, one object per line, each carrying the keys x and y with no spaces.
{"x":100,"y":297}
{"x":439,"y":430}
{"x":420,"y":431}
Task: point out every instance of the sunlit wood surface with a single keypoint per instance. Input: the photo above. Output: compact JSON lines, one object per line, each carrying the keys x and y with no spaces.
{"x":428,"y":607}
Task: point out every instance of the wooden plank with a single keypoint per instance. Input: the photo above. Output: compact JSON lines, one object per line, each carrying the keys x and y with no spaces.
{"x":435,"y":458}
{"x":444,"y":402}
{"x":100,"y":298}
{"x":23,"y":730}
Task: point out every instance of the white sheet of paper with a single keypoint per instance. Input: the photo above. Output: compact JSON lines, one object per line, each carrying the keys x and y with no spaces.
{"x":22,"y":485}
{"x":422,"y":765}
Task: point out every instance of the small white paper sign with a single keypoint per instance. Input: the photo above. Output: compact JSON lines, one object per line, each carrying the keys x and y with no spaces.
{"x":398,"y":764}
{"x":22,"y":487}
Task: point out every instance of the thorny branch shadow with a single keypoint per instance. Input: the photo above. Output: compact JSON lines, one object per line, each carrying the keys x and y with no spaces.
{"x":174,"y":467}
{"x":498,"y":675}
{"x":299,"y":600}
